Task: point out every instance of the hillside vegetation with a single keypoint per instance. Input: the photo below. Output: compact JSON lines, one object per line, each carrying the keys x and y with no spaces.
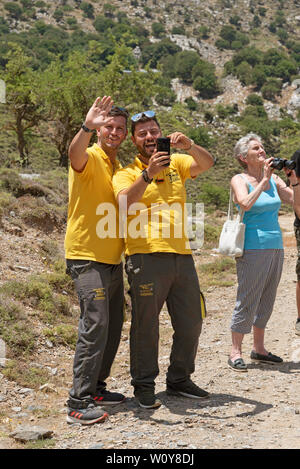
{"x":213,"y":70}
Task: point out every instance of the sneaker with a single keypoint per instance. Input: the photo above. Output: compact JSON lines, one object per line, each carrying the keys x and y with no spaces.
{"x":186,"y":389}
{"x":297,"y":327}
{"x":270,"y":358}
{"x":86,"y":416}
{"x":147,"y":399}
{"x":105,"y":397}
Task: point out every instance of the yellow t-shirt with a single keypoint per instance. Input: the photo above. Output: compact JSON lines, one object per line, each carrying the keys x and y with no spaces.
{"x":158,"y":222}
{"x":93,"y":216}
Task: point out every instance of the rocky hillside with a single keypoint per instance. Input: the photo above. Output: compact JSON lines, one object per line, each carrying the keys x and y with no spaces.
{"x":226,"y":66}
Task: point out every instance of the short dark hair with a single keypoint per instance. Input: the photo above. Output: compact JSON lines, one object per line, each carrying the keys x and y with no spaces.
{"x":143,"y":119}
{"x":119,"y":111}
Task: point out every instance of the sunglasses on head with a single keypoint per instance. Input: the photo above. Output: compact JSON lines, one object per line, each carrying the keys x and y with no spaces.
{"x":120,"y":108}
{"x":137,"y":117}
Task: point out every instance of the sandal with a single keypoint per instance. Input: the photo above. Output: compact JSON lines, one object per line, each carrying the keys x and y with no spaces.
{"x":237,"y":365}
{"x":270,"y":358}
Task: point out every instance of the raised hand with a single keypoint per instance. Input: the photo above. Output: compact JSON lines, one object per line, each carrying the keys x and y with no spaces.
{"x":98,"y":113}
{"x":180,"y":141}
{"x":268,"y":170}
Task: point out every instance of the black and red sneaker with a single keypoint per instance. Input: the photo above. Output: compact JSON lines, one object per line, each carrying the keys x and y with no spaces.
{"x":86,"y":416}
{"x":105,"y":397}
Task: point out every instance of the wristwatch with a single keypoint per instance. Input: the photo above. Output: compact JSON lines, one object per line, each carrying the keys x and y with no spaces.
{"x":146,"y":177}
{"x":86,"y":129}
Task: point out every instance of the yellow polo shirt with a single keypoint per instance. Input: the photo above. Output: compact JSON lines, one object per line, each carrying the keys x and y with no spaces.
{"x":158,"y":221}
{"x":93,"y":220}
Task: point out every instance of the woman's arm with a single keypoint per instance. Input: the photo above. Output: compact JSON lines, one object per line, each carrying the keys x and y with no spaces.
{"x":240,"y":190}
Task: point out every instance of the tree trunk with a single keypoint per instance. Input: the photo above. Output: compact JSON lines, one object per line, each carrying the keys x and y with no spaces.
{"x":21,"y":142}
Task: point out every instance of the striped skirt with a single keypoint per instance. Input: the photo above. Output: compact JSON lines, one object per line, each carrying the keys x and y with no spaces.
{"x":258,"y":273}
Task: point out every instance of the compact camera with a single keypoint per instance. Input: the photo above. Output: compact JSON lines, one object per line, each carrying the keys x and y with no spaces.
{"x":279,"y":163}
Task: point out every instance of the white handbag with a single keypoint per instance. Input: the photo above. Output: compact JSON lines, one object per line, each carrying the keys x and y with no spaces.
{"x":231,"y":242}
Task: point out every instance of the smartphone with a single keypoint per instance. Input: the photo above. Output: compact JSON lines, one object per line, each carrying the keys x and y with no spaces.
{"x":163,"y":144}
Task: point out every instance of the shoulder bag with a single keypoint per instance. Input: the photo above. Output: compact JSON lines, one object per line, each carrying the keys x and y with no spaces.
{"x":231,"y":242}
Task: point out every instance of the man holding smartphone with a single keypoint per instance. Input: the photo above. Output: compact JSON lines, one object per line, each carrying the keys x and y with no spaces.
{"x":159,"y":263}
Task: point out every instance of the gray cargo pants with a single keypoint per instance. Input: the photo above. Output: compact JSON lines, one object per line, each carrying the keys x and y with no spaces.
{"x":101,"y":295}
{"x":154,"y":279}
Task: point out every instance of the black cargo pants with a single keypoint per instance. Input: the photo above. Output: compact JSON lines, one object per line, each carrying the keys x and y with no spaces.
{"x":154,"y":279}
{"x":101,"y":295}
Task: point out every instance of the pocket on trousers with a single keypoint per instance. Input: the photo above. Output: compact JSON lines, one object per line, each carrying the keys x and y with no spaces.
{"x":76,"y":268}
{"x":133,"y":265}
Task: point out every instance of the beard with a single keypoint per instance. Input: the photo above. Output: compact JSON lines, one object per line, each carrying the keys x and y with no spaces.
{"x":147,"y":150}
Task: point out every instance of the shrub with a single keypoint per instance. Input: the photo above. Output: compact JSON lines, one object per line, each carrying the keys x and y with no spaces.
{"x":244,"y":73}
{"x":40,"y":292}
{"x":15,"y":329}
{"x":88,"y":9}
{"x":14,"y":10}
{"x":158,"y":29}
{"x":215,"y":196}
{"x":64,"y":334}
{"x":255,"y":111}
{"x":24,"y":374}
{"x":271,"y":89}
{"x":177,"y":30}
{"x":254,"y":99}
{"x":102,"y":24}
{"x":191,"y":104}
{"x":207,"y":85}
{"x":200,"y":136}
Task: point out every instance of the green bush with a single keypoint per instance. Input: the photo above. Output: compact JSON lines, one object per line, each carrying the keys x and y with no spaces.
{"x":231,"y":38}
{"x":158,"y":29}
{"x":191,"y":104}
{"x":254,"y":99}
{"x":207,"y":85}
{"x":43,"y":293}
{"x":64,"y":334}
{"x":14,"y":10}
{"x":15,"y":329}
{"x":271,"y":89}
{"x":254,"y":111}
{"x":200,"y":136}
{"x":215,"y":196}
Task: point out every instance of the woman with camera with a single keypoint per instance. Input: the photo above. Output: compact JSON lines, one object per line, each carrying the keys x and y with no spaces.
{"x":259,"y":193}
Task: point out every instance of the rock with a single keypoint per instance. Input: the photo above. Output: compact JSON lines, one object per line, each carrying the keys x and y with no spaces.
{"x":16,"y":409}
{"x":47,"y":388}
{"x":24,"y":433}
{"x":2,"y":353}
{"x":25,"y":391}
{"x":22,"y":267}
{"x":97,"y":446}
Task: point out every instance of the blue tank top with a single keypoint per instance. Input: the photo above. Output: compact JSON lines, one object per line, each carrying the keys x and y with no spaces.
{"x":262,"y":226}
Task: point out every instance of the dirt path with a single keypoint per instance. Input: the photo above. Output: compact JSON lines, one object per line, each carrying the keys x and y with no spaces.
{"x":258,"y":409}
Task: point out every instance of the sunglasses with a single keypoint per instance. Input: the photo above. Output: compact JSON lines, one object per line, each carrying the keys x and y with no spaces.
{"x":137,"y":117}
{"x":120,"y":108}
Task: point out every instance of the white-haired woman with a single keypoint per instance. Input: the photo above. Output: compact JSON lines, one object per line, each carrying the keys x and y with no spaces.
{"x":259,"y":193}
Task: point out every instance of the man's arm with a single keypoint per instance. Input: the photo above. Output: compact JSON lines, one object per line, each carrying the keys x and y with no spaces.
{"x":203,"y":160}
{"x":135,"y":192}
{"x":95,"y":118}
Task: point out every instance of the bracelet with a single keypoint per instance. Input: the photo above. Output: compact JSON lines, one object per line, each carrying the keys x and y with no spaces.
{"x":294,"y":185}
{"x":86,"y":129}
{"x":146,"y":177}
{"x":192,"y":143}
